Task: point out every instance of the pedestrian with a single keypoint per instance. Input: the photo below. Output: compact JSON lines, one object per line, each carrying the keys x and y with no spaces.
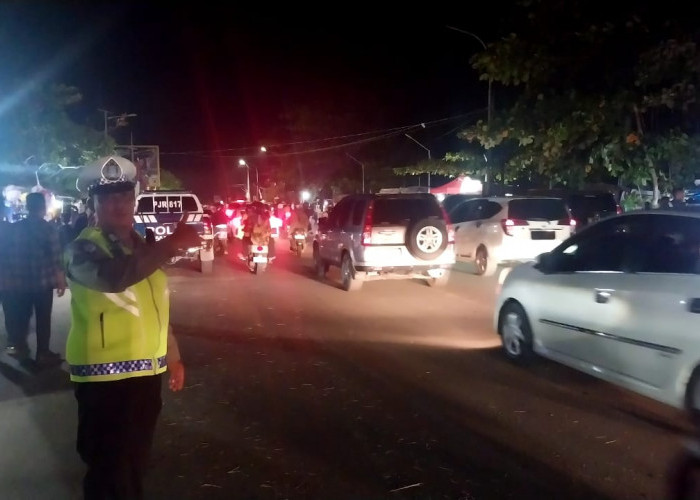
{"x":677,"y":201}
{"x":33,"y":270}
{"x":120,"y":340}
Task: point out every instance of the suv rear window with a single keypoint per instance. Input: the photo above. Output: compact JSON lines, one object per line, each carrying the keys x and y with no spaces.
{"x":167,"y":204}
{"x":398,"y":210}
{"x":537,"y":209}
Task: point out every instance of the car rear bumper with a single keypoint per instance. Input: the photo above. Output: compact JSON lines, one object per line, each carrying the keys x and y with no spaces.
{"x":397,"y":259}
{"x":524,"y":250}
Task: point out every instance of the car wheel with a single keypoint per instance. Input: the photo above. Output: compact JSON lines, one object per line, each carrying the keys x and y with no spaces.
{"x":320,"y":267}
{"x":485,"y":266}
{"x":349,"y":281}
{"x":427,"y":239}
{"x":516,"y":334}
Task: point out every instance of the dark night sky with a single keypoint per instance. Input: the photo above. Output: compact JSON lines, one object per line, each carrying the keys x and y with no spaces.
{"x":211,"y":78}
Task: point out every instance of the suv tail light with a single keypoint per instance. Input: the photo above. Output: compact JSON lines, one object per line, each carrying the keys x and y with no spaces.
{"x":509,"y":224}
{"x":448,"y":224}
{"x":567,"y":222}
{"x":367,"y":229}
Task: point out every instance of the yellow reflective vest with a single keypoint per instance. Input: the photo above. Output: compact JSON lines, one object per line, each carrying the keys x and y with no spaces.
{"x":115,"y":336}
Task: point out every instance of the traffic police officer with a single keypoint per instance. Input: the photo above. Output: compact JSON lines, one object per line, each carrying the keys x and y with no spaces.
{"x":120,"y":340}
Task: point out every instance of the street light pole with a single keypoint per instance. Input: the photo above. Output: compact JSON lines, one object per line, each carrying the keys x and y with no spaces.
{"x":421,"y":145}
{"x":243,"y":163}
{"x":363,"y":169}
{"x":489,"y":98}
{"x":489,"y":101}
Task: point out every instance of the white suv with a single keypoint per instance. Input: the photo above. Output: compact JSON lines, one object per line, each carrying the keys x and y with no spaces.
{"x":493,"y":231}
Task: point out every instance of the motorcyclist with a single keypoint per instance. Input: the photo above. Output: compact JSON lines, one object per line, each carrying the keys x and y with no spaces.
{"x":219,"y":220}
{"x":298,"y":221}
{"x":257,"y":230}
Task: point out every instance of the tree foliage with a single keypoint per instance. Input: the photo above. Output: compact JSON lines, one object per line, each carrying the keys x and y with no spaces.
{"x":169,"y":180}
{"x":36,"y":129}
{"x":594,"y":91}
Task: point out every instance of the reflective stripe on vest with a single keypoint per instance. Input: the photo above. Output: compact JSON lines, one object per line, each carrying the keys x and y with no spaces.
{"x":138,"y":365}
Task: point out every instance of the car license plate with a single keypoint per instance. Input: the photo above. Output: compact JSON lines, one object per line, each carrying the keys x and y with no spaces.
{"x":259,"y":259}
{"x":542,"y":235}
{"x":299,"y":236}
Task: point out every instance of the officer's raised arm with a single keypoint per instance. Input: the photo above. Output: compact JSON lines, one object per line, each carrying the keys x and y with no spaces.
{"x":111,"y":256}
{"x":95,"y":267}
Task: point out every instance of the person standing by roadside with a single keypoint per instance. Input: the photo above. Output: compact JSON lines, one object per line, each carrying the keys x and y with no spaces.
{"x":120,"y":340}
{"x":33,"y":270}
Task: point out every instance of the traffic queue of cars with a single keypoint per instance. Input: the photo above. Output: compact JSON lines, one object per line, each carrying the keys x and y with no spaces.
{"x":615,"y":295}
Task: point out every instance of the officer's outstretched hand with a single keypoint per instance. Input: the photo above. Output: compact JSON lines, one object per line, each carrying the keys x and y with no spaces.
{"x":185,"y":236}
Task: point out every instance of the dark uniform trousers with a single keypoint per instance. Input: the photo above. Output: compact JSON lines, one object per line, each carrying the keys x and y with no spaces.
{"x":116,"y":423}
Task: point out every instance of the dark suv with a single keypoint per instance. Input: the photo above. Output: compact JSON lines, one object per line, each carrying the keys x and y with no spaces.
{"x":386,"y":236}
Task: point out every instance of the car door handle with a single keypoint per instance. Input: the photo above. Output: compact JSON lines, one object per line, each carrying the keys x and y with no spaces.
{"x":602,"y":296}
{"x":694,"y":305}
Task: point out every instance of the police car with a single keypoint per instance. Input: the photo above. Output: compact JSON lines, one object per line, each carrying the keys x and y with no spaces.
{"x":160,"y":211}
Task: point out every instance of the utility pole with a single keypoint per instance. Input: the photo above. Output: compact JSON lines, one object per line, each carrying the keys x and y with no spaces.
{"x":121,"y":120}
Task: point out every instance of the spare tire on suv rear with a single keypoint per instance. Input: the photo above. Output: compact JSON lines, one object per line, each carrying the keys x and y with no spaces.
{"x":426,"y":239}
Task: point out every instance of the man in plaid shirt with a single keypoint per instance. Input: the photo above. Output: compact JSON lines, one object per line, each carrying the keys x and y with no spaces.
{"x":32,"y":269}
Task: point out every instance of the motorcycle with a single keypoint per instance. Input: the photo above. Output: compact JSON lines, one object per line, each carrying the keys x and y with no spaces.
{"x":298,"y":242}
{"x":221,"y":240}
{"x":258,"y":258}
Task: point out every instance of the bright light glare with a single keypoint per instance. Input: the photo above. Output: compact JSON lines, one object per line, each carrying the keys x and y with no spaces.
{"x":440,"y":197}
{"x":263,"y":149}
{"x":241,"y":162}
{"x":305,"y":196}
{"x":275,"y":222}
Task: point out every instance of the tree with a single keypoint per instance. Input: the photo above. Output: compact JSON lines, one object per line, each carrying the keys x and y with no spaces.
{"x":596,"y":92}
{"x":169,"y":180}
{"x":38,"y":126}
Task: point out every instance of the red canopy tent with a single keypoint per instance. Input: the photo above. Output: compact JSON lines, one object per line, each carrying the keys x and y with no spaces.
{"x":460,"y":185}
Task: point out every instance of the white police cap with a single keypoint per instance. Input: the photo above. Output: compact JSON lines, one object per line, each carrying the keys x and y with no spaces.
{"x":110,"y":174}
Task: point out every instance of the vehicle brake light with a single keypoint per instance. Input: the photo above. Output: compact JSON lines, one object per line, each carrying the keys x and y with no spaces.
{"x":509,"y":224}
{"x":229,"y":212}
{"x":260,"y":249}
{"x":567,"y":222}
{"x":367,"y":229}
{"x":618,"y":209}
{"x":450,"y":228}
{"x":207,"y":228}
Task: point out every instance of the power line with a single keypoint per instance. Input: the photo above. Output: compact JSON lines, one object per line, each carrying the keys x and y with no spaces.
{"x":382,"y":134}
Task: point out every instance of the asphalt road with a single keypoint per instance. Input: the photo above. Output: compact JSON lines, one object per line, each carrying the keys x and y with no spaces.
{"x":296,"y":389}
